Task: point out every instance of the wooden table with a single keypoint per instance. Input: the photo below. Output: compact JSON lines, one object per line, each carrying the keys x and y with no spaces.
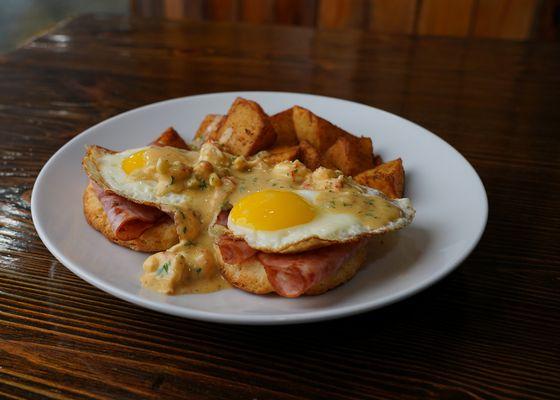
{"x":489,"y":330}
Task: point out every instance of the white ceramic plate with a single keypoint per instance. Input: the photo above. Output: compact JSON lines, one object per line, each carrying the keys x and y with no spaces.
{"x":450,"y":201}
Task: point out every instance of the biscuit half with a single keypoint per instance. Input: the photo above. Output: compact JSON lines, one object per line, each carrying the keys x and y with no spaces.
{"x":159,"y":237}
{"x":251,"y":275}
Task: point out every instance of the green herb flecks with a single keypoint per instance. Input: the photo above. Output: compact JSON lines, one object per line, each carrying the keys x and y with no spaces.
{"x":163,"y":270}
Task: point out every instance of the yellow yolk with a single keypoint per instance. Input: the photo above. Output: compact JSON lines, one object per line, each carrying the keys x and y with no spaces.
{"x":134,"y":161}
{"x":271,"y":210}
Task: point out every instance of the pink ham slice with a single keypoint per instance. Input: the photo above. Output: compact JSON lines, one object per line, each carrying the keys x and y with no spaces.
{"x":234,"y":251}
{"x":222,"y":218}
{"x":291,"y":275}
{"x":128,"y":220}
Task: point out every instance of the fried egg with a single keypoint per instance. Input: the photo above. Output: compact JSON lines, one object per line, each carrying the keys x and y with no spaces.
{"x":297,"y":220}
{"x":292,"y":217}
{"x":120,"y":172}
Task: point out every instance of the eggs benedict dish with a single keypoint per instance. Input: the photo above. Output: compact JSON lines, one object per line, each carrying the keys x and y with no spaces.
{"x":213,"y":219}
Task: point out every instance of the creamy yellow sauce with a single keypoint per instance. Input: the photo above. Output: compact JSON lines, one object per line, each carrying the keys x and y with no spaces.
{"x":213,"y":181}
{"x":184,"y":268}
{"x":373,"y":212}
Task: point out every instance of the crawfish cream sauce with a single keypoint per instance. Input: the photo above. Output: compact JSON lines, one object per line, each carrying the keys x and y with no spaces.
{"x":261,"y":197}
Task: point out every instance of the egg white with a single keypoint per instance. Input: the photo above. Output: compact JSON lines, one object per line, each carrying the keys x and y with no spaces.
{"x":110,"y":167}
{"x":326,"y":225}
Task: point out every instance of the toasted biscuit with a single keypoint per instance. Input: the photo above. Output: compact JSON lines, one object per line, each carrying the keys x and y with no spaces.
{"x":344,"y":274}
{"x":251,"y":275}
{"x":157,"y":238}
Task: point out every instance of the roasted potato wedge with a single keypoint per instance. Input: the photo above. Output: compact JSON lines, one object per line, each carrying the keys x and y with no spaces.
{"x":282,"y":153}
{"x":246,"y":129}
{"x":170,"y":137}
{"x":351,"y":154}
{"x":283,"y":124}
{"x":387,"y":177}
{"x":209,"y":126}
{"x":309,"y":155}
{"x":320,"y":133}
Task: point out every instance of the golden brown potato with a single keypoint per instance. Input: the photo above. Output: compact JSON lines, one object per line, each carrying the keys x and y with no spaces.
{"x":282,"y":153}
{"x":388,"y":178}
{"x":170,"y":137}
{"x":246,"y":129}
{"x":351,"y":154}
{"x":283,"y":124}
{"x":309,"y":155}
{"x":320,"y":133}
{"x":209,"y":126}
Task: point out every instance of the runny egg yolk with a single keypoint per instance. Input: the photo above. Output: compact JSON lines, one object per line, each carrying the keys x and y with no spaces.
{"x":271,"y":210}
{"x":134,"y":162}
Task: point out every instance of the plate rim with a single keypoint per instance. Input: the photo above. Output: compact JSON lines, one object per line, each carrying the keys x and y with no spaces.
{"x":255,"y":319}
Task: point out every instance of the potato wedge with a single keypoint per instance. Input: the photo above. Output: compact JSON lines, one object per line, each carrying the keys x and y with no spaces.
{"x":209,"y":126}
{"x":388,"y":178}
{"x":283,"y":124}
{"x":170,"y":137}
{"x":246,"y":129}
{"x":309,"y":155}
{"x":320,"y":133}
{"x":351,"y":154}
{"x":281,"y":153}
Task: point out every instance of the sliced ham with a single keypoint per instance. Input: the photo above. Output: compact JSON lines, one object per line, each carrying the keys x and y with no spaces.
{"x":128,"y":220}
{"x":291,"y":275}
{"x":234,"y":251}
{"x":222,"y":218}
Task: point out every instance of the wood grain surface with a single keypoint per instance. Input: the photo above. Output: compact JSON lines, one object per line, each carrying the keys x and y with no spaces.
{"x":505,"y":19}
{"x":491,"y":330}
